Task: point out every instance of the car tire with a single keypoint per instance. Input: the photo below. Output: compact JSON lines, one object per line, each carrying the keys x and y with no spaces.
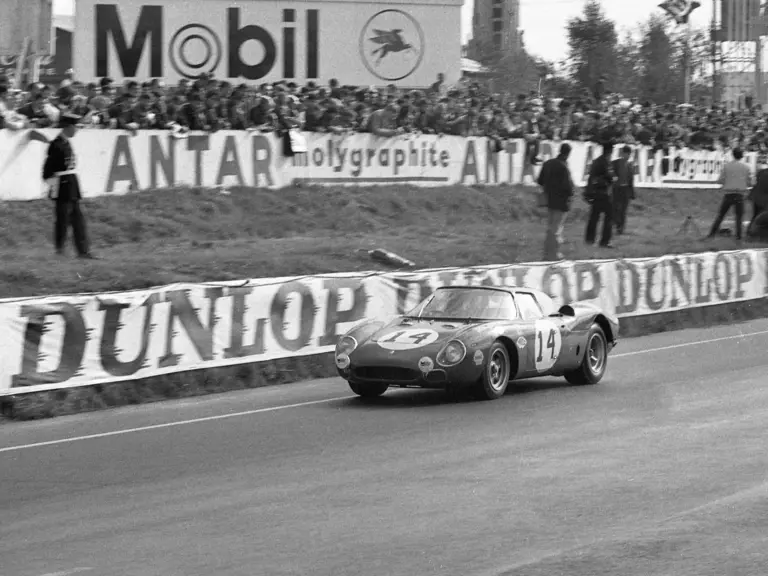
{"x":595,"y":361}
{"x":495,"y":379}
{"x":369,"y":390}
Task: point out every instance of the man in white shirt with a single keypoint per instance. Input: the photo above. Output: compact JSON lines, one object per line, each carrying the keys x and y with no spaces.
{"x":736,"y":179}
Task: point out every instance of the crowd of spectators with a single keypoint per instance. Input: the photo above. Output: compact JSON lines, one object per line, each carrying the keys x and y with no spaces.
{"x":464,"y":110}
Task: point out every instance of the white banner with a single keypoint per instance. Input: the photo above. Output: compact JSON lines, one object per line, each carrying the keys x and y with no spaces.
{"x":66,"y":341}
{"x":116,"y":162}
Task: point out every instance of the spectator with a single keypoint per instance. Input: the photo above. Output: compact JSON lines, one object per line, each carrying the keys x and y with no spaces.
{"x":624,"y":190}
{"x":465,"y":109}
{"x":9,"y":118}
{"x":735,"y":179}
{"x":383,"y":122}
{"x":36,"y":114}
{"x":598,"y":194}
{"x":557,"y":189}
{"x":759,"y":196}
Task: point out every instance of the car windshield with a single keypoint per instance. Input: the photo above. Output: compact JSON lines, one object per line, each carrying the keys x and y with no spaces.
{"x":465,"y":303}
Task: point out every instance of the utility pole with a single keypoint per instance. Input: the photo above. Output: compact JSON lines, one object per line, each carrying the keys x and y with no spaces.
{"x":687,"y":63}
{"x":758,"y":69}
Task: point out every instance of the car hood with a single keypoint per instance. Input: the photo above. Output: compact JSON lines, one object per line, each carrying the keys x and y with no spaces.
{"x":412,"y":339}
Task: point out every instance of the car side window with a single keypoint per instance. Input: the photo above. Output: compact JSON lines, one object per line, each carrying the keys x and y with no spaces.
{"x":529,"y":308}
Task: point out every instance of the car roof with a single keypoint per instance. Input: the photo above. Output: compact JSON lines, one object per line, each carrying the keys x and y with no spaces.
{"x":508,"y":289}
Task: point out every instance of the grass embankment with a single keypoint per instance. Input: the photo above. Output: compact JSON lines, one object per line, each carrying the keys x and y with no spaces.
{"x":190,"y":235}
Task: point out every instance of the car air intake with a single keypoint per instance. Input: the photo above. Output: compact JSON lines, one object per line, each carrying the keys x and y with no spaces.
{"x":386,"y":374}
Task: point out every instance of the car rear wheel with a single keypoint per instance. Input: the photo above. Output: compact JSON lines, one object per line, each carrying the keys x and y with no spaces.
{"x":369,"y":390}
{"x":595,"y":361}
{"x":495,"y":378}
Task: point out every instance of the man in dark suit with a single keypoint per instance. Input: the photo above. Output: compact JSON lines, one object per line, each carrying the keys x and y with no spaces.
{"x":555,"y":179}
{"x":598,"y":195}
{"x":624,"y":189}
{"x":759,"y":197}
{"x":59,"y":172}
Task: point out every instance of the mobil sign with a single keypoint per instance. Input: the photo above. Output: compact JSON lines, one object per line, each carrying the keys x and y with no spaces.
{"x":266,"y":41}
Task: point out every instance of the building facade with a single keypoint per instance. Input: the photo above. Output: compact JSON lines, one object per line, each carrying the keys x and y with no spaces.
{"x":26,"y":20}
{"x":495,"y":28}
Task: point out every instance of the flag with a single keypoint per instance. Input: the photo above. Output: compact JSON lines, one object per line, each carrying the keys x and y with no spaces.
{"x":680,"y":9}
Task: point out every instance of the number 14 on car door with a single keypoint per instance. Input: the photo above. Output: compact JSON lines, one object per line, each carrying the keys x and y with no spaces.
{"x":548,"y":344}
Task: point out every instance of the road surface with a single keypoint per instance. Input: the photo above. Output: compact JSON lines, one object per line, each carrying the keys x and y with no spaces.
{"x":662,"y":469}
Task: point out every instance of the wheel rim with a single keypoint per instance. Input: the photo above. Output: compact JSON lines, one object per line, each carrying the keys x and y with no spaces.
{"x":596,"y":353}
{"x":497,"y":370}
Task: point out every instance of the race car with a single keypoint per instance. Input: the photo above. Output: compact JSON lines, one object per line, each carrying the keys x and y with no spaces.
{"x":478,"y":338}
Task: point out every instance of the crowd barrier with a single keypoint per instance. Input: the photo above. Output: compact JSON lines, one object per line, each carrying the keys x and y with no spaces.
{"x":116,"y":162}
{"x":66,"y":341}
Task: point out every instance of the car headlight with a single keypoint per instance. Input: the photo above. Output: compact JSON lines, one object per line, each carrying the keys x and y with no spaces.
{"x":346,"y":345}
{"x":453,"y":353}
{"x":342,"y":361}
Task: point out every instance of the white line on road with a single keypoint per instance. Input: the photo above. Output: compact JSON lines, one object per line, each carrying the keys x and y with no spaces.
{"x":172,"y":424}
{"x":686,"y":344}
{"x":312,"y":402}
{"x":68,"y":572}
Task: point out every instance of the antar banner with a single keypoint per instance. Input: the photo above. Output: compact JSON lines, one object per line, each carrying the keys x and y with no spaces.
{"x":118,"y":162}
{"x":62,"y":342}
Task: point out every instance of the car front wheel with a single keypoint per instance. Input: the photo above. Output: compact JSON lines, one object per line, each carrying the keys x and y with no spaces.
{"x":493,"y":383}
{"x":369,"y":390}
{"x":595,"y":361}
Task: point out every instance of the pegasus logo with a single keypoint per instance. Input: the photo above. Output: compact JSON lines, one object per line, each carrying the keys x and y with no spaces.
{"x":390,"y":42}
{"x":391,"y":45}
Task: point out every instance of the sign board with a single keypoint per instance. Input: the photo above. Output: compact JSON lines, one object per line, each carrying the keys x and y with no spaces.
{"x":60,"y":342}
{"x":255,"y":42}
{"x":119,"y":162}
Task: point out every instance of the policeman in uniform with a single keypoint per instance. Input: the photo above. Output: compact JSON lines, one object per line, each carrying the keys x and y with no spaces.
{"x":59,"y":173}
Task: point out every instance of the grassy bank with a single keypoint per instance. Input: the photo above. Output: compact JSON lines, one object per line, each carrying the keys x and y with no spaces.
{"x":162,"y":237}
{"x":155,"y":238}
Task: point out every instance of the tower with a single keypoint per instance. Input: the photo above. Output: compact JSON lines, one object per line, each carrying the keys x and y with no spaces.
{"x":25,"y":21}
{"x":495,"y":28}
{"x":737,"y":52}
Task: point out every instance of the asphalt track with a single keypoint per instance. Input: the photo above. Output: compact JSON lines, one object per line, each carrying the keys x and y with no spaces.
{"x":660,"y":470}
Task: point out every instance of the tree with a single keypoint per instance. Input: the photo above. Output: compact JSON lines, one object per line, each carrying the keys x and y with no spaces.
{"x":627,"y":67}
{"x":512,"y":71}
{"x":661,"y":72}
{"x":592,"y":42}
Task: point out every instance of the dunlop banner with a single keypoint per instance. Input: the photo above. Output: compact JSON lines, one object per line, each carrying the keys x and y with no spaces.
{"x":66,"y":341}
{"x":112,"y":162}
